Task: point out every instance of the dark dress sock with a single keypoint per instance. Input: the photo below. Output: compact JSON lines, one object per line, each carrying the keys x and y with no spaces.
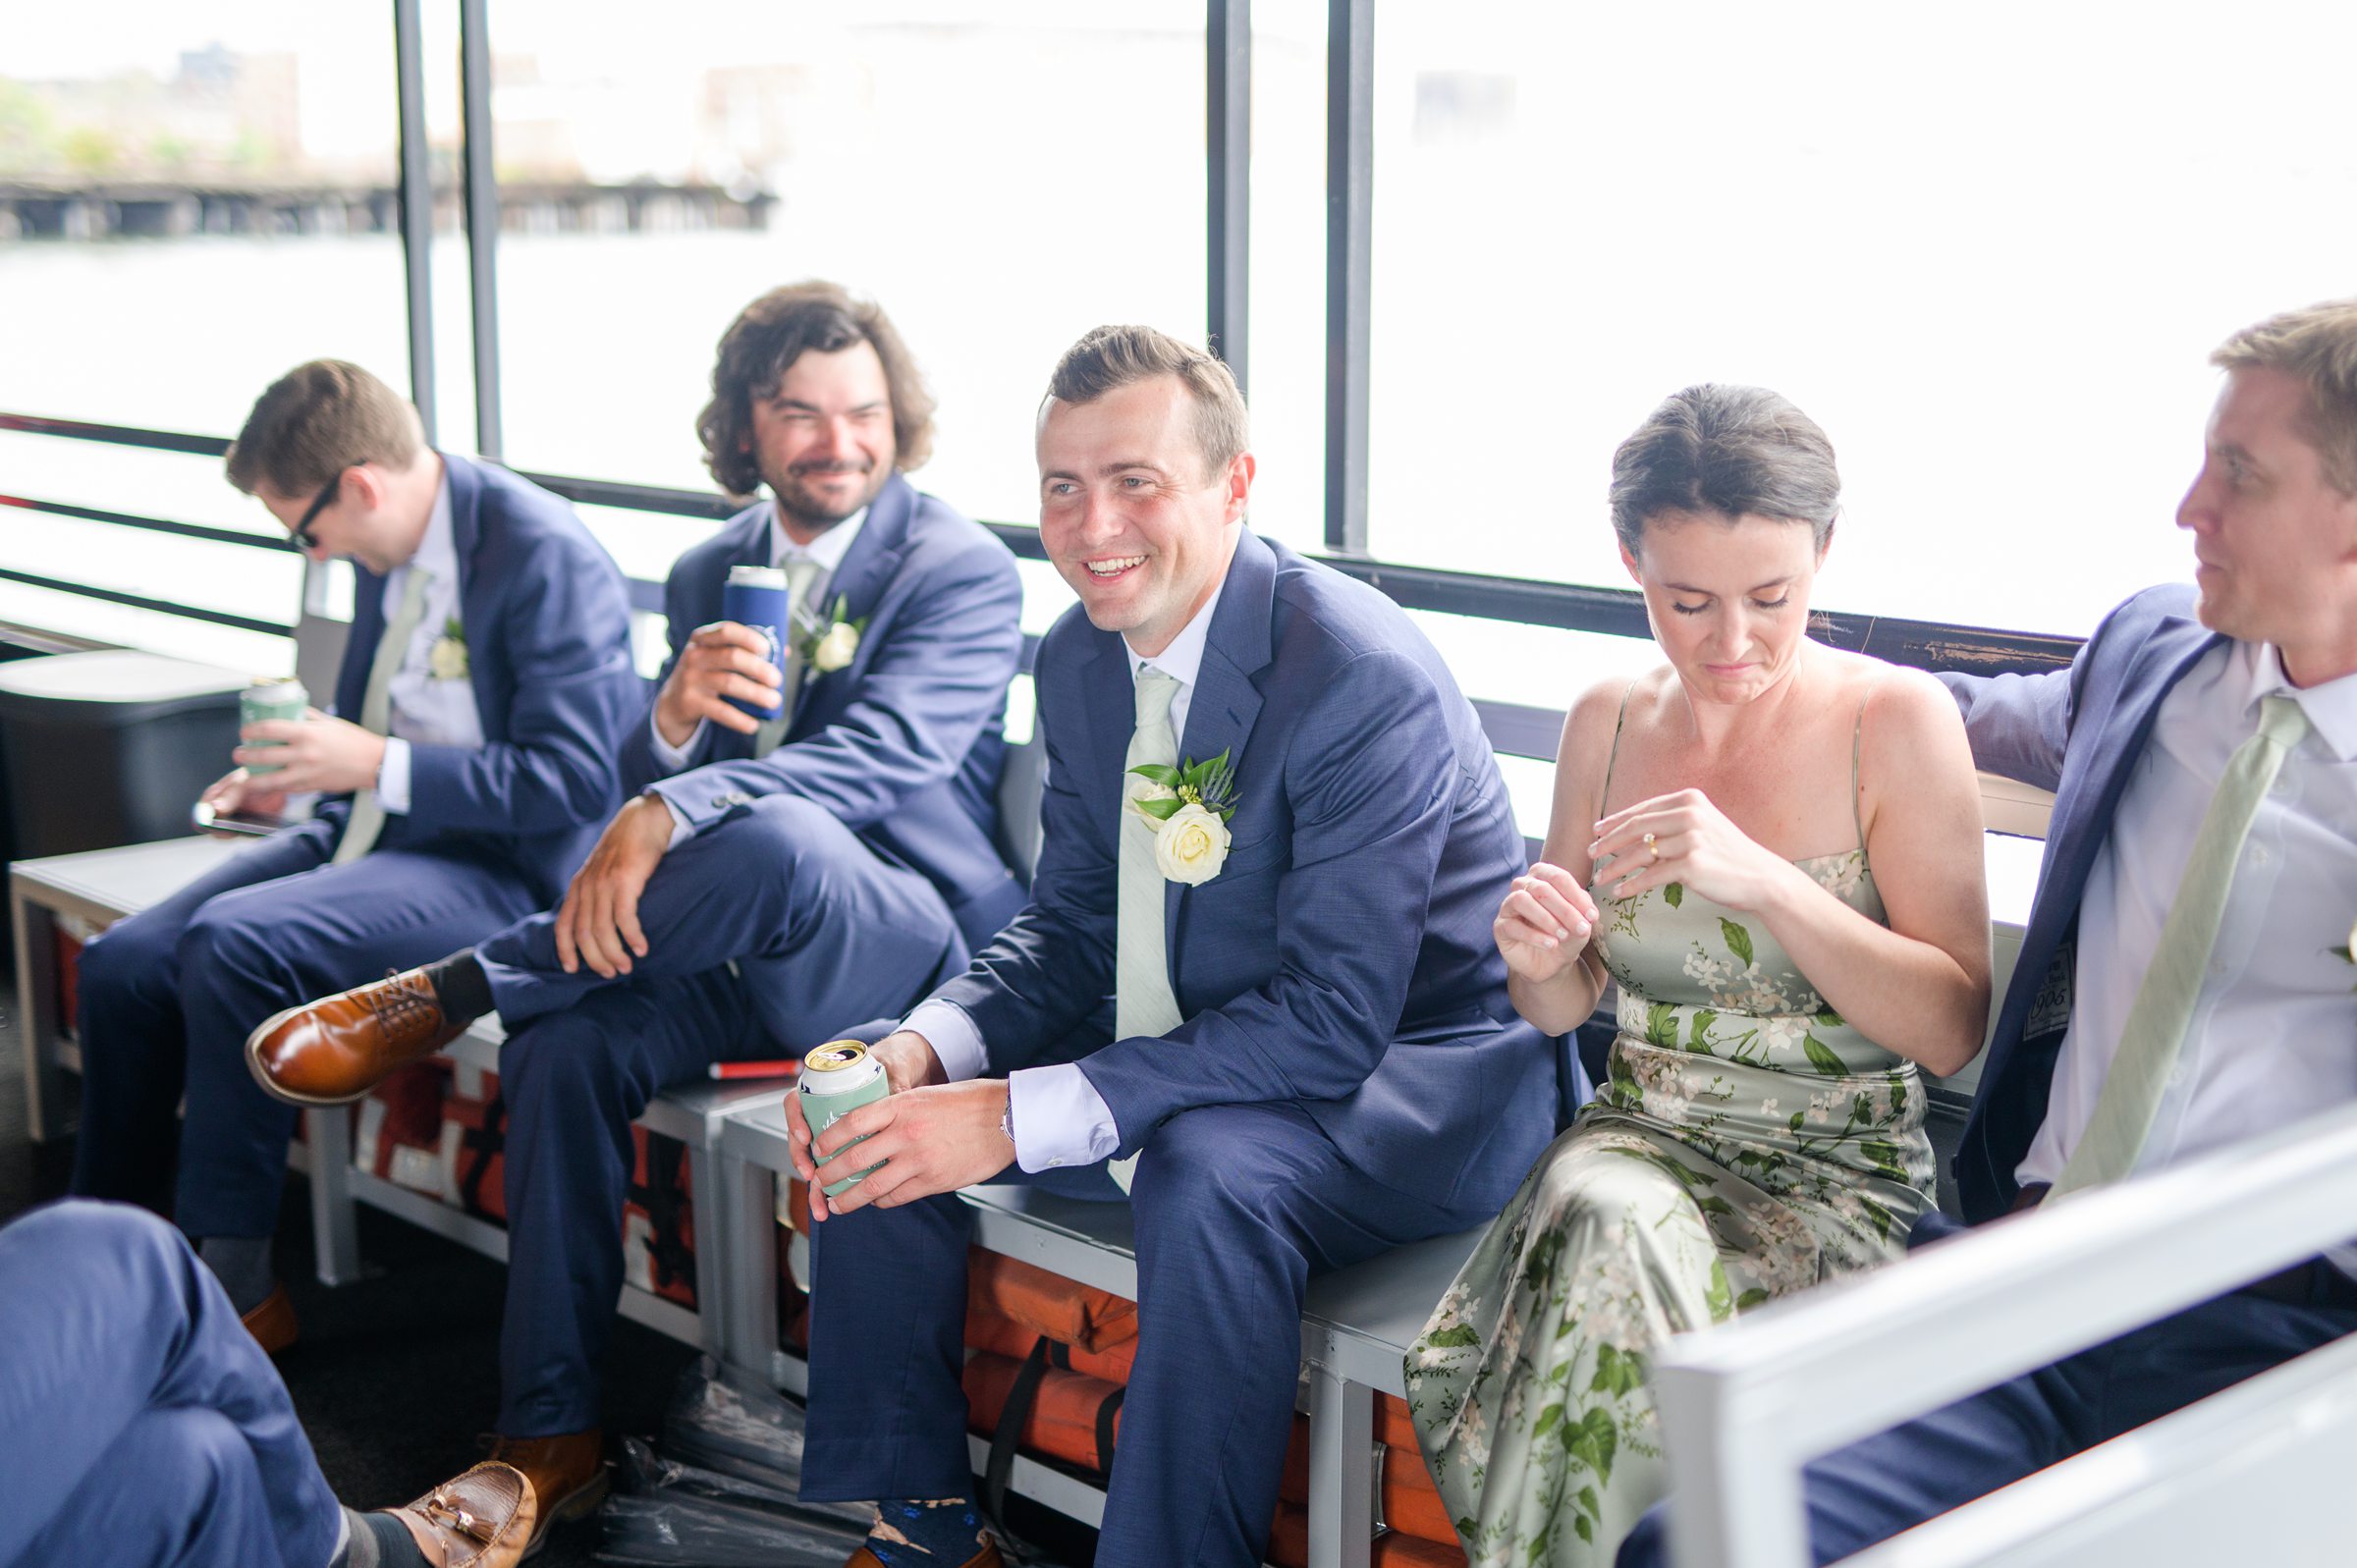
{"x":242,"y":1266}
{"x":459,"y":987}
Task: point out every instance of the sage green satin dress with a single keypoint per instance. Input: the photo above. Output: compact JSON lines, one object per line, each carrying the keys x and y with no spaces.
{"x":1748,"y":1144}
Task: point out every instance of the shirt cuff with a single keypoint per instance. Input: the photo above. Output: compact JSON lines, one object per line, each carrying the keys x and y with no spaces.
{"x":673,"y":757}
{"x":393,"y":778}
{"x":681,"y":830}
{"x":1058,"y":1118}
{"x":954,"y":1040}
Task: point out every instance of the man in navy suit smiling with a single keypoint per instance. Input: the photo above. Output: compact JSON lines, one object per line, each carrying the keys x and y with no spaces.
{"x":1269,"y":995}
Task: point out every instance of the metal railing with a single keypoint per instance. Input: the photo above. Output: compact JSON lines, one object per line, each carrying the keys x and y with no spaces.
{"x":1745,"y":1407}
{"x":1523,"y":731}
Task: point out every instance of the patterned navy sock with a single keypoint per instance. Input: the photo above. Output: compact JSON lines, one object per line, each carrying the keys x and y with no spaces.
{"x":943,"y":1533}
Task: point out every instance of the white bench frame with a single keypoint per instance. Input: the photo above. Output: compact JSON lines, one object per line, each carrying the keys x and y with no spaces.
{"x":1744,"y":1407}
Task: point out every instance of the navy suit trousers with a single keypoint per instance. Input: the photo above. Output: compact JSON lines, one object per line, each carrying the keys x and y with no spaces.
{"x":139,"y":1424}
{"x":1883,"y":1484}
{"x":1237,"y":1206}
{"x":768,"y":932}
{"x":169,"y":996}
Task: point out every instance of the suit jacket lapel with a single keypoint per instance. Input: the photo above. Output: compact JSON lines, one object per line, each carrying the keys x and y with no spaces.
{"x":1226,"y":703}
{"x":475,"y":609}
{"x":2084,"y":808}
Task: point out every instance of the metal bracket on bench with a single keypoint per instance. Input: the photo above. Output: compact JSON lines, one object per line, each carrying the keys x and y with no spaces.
{"x":1342,"y":1484}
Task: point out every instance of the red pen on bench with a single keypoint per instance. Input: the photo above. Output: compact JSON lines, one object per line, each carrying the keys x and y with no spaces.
{"x":754,"y":1069}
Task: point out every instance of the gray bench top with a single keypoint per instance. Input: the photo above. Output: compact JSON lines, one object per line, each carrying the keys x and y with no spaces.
{"x":1357,"y":1321}
{"x":106,"y":883}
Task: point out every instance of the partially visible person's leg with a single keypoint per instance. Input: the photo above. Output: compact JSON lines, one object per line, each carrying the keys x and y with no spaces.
{"x":1237,"y":1206}
{"x":177,"y":1488}
{"x":574,"y":1081}
{"x":112,"y":1320}
{"x":130,"y":1023}
{"x":782,"y":888}
{"x":248,"y":953}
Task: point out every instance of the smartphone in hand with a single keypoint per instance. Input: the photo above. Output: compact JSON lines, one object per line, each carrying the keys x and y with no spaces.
{"x":229,"y":823}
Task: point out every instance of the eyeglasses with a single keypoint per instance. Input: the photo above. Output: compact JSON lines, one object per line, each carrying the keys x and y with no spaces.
{"x":305,"y":539}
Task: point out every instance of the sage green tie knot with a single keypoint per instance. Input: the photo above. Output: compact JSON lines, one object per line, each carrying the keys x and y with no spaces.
{"x":2284,"y":721}
{"x":1156,"y":691}
{"x":2154,"y":1036}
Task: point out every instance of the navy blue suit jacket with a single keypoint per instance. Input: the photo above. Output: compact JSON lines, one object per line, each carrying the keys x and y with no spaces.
{"x":2076,"y":732}
{"x":903,"y":745}
{"x":1343,"y":956}
{"x":547,"y":618}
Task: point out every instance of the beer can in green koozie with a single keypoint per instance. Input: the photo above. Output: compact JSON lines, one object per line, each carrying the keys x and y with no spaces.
{"x":265,"y":700}
{"x":837,"y":1078}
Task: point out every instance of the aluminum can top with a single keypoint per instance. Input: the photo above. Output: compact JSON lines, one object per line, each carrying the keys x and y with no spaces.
{"x":756,"y":577}
{"x":838,"y":1067}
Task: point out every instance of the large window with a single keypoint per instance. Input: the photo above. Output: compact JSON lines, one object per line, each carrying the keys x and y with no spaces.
{"x":199,"y":195}
{"x":1000,"y":176}
{"x":1988,"y":248}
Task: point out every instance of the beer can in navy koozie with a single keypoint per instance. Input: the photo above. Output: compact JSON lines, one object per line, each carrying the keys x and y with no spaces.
{"x":758,"y":597}
{"x":837,"y":1078}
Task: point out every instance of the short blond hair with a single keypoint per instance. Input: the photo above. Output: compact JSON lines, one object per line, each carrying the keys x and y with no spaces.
{"x":318,"y":420}
{"x":1109,"y":359}
{"x":2318,"y":347}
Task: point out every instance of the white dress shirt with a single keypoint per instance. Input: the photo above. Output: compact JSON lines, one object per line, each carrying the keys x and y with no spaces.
{"x":1057,"y":1115}
{"x":426,"y":709}
{"x":2273,"y":1030}
{"x":827,"y":549}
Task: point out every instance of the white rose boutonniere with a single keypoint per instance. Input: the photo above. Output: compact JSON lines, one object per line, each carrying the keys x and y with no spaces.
{"x":2346,"y":952}
{"x":446,"y":659}
{"x":1189,"y":807}
{"x":832,"y":642}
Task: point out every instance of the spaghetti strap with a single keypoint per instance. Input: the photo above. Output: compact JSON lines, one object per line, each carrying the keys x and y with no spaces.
{"x":1857,"y":737}
{"x":1605,"y":794}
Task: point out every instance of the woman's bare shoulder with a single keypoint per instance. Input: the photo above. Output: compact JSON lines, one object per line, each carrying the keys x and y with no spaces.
{"x":1596,"y":713}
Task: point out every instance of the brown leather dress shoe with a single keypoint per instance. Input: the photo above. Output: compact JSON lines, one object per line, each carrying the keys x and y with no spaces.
{"x":568,"y":1472}
{"x":481,"y":1519}
{"x":331,"y":1052}
{"x":271,"y":1321}
{"x":987,"y":1557}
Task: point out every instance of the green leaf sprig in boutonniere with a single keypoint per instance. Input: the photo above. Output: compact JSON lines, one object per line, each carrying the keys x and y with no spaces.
{"x":834,"y":642}
{"x":1189,"y":806}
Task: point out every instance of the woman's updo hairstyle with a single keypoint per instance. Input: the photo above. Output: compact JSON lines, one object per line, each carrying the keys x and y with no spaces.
{"x":1726,"y":452}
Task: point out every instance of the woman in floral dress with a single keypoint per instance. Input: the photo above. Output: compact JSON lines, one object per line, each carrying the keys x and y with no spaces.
{"x":1772,"y":851}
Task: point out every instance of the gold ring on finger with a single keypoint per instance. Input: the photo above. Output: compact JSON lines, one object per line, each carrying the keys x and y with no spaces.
{"x":1652,"y":849}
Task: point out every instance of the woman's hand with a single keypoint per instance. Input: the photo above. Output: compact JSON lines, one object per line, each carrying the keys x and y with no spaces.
{"x":1545,"y":923}
{"x":1682,"y":837}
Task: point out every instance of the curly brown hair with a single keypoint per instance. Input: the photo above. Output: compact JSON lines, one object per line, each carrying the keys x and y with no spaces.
{"x":771,"y":334}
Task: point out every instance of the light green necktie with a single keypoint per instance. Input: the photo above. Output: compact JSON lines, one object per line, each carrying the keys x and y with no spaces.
{"x":368,"y":818}
{"x":2154,"y":1033}
{"x":1142,"y":1000}
{"x":801,"y":574}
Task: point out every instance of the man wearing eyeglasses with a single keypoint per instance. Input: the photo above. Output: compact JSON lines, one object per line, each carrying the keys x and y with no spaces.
{"x":469,"y":762}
